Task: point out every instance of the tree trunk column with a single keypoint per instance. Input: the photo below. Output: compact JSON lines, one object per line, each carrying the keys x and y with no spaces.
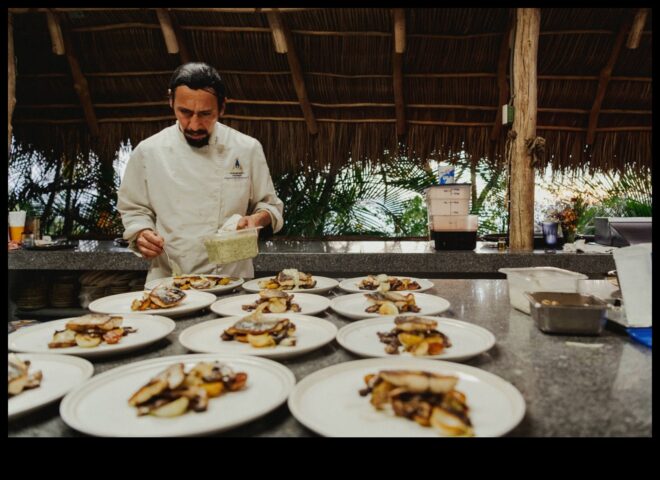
{"x":521,"y":231}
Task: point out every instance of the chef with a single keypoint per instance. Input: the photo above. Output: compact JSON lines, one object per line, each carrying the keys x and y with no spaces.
{"x":188,"y":180}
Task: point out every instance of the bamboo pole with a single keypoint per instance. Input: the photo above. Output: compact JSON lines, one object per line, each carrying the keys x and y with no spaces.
{"x":11,"y":78}
{"x":521,"y":211}
{"x":279,"y":39}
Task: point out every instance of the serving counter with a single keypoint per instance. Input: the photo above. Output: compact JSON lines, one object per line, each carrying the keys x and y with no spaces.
{"x":334,"y":259}
{"x":572,"y":386}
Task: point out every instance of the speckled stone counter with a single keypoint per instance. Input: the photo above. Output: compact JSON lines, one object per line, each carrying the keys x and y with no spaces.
{"x":572,"y":386}
{"x":334,"y":258}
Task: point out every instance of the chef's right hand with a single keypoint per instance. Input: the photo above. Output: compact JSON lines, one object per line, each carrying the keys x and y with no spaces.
{"x":149,"y":243}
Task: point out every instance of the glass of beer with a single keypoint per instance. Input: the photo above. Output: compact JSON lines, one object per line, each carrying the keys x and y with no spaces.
{"x":16,"y":225}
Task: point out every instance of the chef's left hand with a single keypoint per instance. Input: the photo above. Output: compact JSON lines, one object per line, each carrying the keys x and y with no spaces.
{"x":259,"y":219}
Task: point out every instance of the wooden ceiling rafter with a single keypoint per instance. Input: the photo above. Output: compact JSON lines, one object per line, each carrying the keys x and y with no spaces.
{"x":282,"y":41}
{"x":398,"y":49}
{"x":637,"y":28}
{"x":604,"y":79}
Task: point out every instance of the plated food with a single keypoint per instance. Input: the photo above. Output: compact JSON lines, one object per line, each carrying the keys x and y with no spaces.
{"x":405,"y":339}
{"x":289,"y":279}
{"x":159,"y":297}
{"x":428,"y":398}
{"x":384,"y":283}
{"x":273,"y":301}
{"x":19,"y":377}
{"x":201,"y":282}
{"x":268,"y":385}
{"x":174,"y":391}
{"x":391,"y":303}
{"x":90,"y":331}
{"x":416,"y":335}
{"x":261,"y":332}
{"x":378,"y":304}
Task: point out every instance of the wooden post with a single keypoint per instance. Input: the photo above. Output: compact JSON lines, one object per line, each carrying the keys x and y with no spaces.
{"x":11,"y":78}
{"x":397,"y":73}
{"x":521,"y":211}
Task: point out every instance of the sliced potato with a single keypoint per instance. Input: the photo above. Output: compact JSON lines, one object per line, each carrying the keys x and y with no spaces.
{"x":172,"y":409}
{"x":388,"y":308}
{"x":450,"y":424}
{"x":213,"y":389}
{"x":150,"y":390}
{"x":421,"y":348}
{"x":261,"y":341}
{"x":409,"y":340}
{"x":276,"y":305}
{"x":87,"y":341}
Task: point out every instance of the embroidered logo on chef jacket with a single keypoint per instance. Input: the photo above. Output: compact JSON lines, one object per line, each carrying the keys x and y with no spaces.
{"x":236,"y":171}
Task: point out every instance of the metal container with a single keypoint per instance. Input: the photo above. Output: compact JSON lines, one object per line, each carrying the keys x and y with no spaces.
{"x":567,"y":313}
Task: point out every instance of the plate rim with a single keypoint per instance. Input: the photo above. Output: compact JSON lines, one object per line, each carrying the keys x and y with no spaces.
{"x":491,"y":339}
{"x":515,"y":397}
{"x":348,"y":290}
{"x":364,"y":315}
{"x":313,"y":290}
{"x":220,"y":289}
{"x":230,"y":299}
{"x":282,"y":354}
{"x":86,"y":368}
{"x":167,"y":312}
{"x":167,"y":322}
{"x":287,"y":376}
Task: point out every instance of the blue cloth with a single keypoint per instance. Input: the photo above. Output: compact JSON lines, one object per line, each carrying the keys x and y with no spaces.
{"x":641,"y":335}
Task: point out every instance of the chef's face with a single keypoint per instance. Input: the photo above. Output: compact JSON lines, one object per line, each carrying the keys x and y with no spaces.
{"x":197,"y":111}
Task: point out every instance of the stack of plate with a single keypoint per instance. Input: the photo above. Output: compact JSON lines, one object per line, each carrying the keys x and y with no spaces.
{"x":33,"y":296}
{"x":63,"y":292}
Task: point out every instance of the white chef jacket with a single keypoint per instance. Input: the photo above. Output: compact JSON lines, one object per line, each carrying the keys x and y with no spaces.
{"x":185,"y":193}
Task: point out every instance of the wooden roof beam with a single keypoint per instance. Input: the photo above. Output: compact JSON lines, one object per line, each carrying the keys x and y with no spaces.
{"x":11,"y":78}
{"x":399,"y":21}
{"x":55,"y":33}
{"x":637,"y":27}
{"x":604,"y":80}
{"x":80,"y":84}
{"x":277,"y":23}
{"x":503,"y":85}
{"x":172,"y":34}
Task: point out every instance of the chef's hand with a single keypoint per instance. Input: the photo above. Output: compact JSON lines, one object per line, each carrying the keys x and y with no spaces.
{"x":149,"y":243}
{"x":259,"y":219}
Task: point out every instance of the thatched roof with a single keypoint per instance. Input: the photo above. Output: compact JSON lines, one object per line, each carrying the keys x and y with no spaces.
{"x":449,"y":82}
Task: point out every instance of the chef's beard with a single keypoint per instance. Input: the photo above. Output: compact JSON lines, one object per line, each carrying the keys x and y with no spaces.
{"x":197,"y":142}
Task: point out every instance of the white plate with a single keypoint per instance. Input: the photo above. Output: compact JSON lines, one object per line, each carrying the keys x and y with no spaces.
{"x":328,"y":402}
{"x":355,"y":304}
{"x":61,"y":373}
{"x":217,"y":289}
{"x":467,"y":340}
{"x":231,"y":307}
{"x":35,"y":338}
{"x":323,"y":285}
{"x":121,"y":303}
{"x":100,"y":406}
{"x":311,"y":333}
{"x":351,"y":284}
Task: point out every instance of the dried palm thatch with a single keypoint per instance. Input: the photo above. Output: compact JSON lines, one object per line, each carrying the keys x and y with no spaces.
{"x":450,"y":84}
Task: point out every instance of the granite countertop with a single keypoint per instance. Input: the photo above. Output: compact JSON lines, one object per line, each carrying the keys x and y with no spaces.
{"x":333,"y":258}
{"x":572,"y":386}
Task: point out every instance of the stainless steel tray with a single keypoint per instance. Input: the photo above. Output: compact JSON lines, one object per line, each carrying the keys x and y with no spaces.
{"x":567,"y":313}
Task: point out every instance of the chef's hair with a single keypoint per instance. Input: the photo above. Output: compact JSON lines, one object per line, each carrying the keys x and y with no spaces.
{"x":198,"y":75}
